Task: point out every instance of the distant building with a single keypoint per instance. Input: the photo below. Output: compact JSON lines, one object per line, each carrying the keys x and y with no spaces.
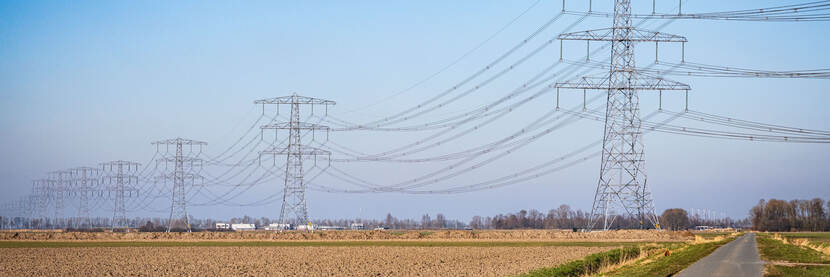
{"x":278,"y":226}
{"x":223,"y":226}
{"x":243,"y":227}
{"x":331,"y":227}
{"x":357,"y":226}
{"x":305,"y":227}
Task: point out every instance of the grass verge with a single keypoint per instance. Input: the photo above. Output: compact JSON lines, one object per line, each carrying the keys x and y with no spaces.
{"x":712,"y":235}
{"x":776,"y":250}
{"x":591,"y":264}
{"x":773,"y":250}
{"x":815,"y":237}
{"x":682,"y":256}
{"x":59,"y":244}
{"x":800,"y":271}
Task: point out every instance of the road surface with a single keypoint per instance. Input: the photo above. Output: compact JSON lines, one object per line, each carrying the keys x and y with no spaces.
{"x":737,"y":258}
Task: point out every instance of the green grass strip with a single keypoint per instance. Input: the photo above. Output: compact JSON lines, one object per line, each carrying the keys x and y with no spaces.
{"x":711,"y":235}
{"x":669,"y":265}
{"x":801,"y":271}
{"x":590,"y":264}
{"x":776,"y":250}
{"x":815,"y":237}
{"x":60,"y":244}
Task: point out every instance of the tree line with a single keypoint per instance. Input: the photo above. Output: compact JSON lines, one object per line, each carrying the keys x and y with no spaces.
{"x":773,"y":215}
{"x":564,"y":217}
{"x":794,"y":215}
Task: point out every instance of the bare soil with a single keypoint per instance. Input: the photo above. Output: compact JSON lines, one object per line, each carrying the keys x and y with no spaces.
{"x":285,"y":261}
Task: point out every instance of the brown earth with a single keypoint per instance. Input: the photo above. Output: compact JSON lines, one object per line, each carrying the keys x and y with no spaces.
{"x":621,"y":235}
{"x":285,"y":261}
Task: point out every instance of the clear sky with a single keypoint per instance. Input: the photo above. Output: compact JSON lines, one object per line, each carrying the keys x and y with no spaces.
{"x":86,"y":82}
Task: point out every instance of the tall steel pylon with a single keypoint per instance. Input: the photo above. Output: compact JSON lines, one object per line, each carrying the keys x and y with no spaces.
{"x":622,"y":181}
{"x":294,"y":208}
{"x":184,"y":171}
{"x":39,"y":200}
{"x":60,"y":186}
{"x":120,"y":178}
{"x":84,"y":181}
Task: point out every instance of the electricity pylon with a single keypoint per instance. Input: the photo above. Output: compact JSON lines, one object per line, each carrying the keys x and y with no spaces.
{"x":84,"y":181}
{"x":293,"y":200}
{"x":622,"y":180}
{"x":60,"y":186}
{"x":184,"y":170}
{"x":30,"y":203}
{"x":119,"y":177}
{"x":39,"y":200}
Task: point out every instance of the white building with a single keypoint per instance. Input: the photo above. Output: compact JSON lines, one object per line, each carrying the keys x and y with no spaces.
{"x":357,"y":226}
{"x":324,"y":228}
{"x":223,"y":226}
{"x":243,"y":227}
{"x":278,"y":226}
{"x":305,"y":227}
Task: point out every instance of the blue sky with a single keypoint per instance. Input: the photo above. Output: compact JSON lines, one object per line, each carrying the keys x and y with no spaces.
{"x":87,"y":82}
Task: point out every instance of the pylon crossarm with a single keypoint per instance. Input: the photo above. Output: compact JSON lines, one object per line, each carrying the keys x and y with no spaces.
{"x":180,"y":141}
{"x":192,"y":160}
{"x":303,"y":151}
{"x":299,"y":125}
{"x":295,"y":99}
{"x":636,"y":35}
{"x":173,"y":175}
{"x":642,"y":82}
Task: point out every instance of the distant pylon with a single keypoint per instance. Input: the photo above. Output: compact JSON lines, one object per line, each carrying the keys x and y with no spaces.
{"x":39,"y":201}
{"x":32,"y":203}
{"x":183,"y":171}
{"x":84,"y":181}
{"x":294,"y":208}
{"x":120,"y":178}
{"x":622,"y":182}
{"x":59,"y":185}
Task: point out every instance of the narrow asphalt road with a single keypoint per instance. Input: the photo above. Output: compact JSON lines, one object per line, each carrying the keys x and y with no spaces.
{"x":737,"y":258}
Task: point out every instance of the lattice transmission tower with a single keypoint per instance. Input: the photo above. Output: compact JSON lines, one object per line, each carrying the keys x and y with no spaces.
{"x":60,"y":186}
{"x":31,"y":204}
{"x":184,"y":174}
{"x":39,"y":201}
{"x":294,"y":208}
{"x":119,"y":179}
{"x":622,"y":182}
{"x":85,"y":180}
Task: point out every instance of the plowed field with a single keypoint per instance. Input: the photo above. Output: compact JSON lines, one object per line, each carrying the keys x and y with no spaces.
{"x":321,"y":253}
{"x":285,"y":261}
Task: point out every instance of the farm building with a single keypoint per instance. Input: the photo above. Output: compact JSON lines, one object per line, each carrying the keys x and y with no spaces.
{"x":357,"y":226}
{"x":278,"y":226}
{"x":243,"y":227}
{"x":223,"y":226}
{"x":331,"y":228}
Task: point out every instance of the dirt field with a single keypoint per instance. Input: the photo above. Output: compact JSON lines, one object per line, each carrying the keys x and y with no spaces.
{"x":322,"y":253}
{"x":285,"y":261}
{"x":622,"y":235}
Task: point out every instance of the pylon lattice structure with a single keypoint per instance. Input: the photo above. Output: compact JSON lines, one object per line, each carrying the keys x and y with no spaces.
{"x":60,"y":182}
{"x":85,"y":180}
{"x":294,"y":206}
{"x":184,"y":175}
{"x":119,"y":178}
{"x":622,"y":182}
{"x":41,"y":194}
